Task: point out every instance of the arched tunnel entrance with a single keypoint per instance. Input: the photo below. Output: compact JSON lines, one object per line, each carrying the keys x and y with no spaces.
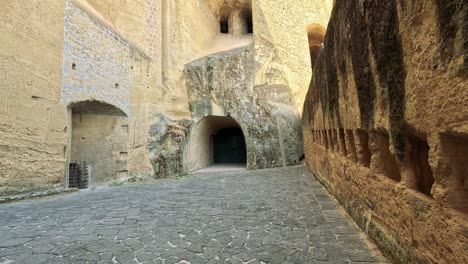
{"x":98,"y":144}
{"x":216,"y":140}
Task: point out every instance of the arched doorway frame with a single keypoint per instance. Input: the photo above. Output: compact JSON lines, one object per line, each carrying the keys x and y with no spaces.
{"x":190,"y":153}
{"x":88,"y":106}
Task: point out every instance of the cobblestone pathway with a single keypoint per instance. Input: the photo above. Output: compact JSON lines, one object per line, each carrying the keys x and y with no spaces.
{"x":269,"y":216}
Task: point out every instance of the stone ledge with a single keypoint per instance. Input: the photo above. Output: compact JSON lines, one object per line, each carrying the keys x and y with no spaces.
{"x":35,"y":194}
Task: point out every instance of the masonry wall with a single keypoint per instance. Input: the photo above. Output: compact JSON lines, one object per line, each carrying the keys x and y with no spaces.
{"x":96,"y":62}
{"x":32,"y":121}
{"x":101,"y":64}
{"x":385,"y":124}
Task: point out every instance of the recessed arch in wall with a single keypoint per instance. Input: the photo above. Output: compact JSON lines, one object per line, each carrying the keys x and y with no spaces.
{"x":98,"y":140}
{"x":235,"y":18}
{"x":216,"y":140}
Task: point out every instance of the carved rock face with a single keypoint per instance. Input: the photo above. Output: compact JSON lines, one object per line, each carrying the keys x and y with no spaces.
{"x":385,"y":121}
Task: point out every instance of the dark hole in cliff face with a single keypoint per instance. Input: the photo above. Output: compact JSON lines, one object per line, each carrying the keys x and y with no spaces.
{"x":422,"y":169}
{"x":229,"y":146}
{"x":455,"y":171}
{"x":224,"y":25}
{"x":246,"y":16}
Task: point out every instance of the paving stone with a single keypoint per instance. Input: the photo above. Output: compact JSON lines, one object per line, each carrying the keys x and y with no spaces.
{"x":266,"y":216}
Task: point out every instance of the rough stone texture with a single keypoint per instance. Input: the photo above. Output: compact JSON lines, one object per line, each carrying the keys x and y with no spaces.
{"x":132,"y":55}
{"x":32,"y":122}
{"x":208,"y":218}
{"x":167,"y":141}
{"x":132,"y":19}
{"x":280,"y":44}
{"x":96,"y":62}
{"x":222,"y":85}
{"x":385,"y":124}
{"x":101,"y":65}
{"x":101,"y":139}
{"x":280,"y":37}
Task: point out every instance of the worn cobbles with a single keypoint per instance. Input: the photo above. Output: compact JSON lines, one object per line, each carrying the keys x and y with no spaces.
{"x":267,"y":216}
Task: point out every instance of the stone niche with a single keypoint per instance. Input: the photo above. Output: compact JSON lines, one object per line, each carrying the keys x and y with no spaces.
{"x":234,"y":17}
{"x":99,"y":136}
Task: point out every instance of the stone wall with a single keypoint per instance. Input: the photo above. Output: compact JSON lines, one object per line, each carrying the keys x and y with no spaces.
{"x":188,"y":28}
{"x":32,"y":121}
{"x":280,"y":37}
{"x":102,"y":65}
{"x":132,"y":19}
{"x":385,"y":124}
{"x":134,"y":55}
{"x":96,"y":62}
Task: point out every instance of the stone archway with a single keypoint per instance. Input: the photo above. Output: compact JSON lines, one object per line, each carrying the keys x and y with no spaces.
{"x":216,"y":140}
{"x":316,"y":34}
{"x":97,"y":144}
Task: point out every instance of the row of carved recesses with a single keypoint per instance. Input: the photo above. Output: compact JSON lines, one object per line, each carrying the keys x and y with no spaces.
{"x":372,"y":149}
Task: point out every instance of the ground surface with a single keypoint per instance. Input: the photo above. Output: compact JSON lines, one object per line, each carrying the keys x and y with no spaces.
{"x":271,"y":216}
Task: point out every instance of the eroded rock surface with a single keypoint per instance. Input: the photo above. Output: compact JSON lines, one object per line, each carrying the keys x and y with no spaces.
{"x":385,"y":124}
{"x":222,"y":84}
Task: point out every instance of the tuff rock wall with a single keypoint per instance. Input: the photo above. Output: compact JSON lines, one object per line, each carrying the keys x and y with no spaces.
{"x":142,"y":58}
{"x":32,"y":121}
{"x":257,"y":78}
{"x":222,"y":84}
{"x":386,"y":124}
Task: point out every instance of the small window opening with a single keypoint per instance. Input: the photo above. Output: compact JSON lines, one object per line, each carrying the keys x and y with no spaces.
{"x":73,"y":66}
{"x":224,"y":25}
{"x":248,"y":21}
{"x":117,"y":86}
